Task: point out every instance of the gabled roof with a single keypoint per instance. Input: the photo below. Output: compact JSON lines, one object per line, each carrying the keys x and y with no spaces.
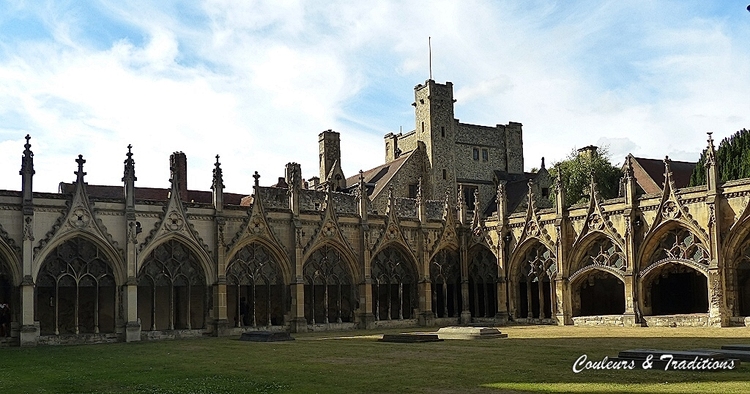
{"x":516,"y":188}
{"x":649,"y":173}
{"x":149,"y":193}
{"x":377,"y":178}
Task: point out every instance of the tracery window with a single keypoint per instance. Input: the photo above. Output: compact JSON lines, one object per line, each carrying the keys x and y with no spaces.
{"x":483,"y":284}
{"x":76,"y":290}
{"x":681,"y":244}
{"x":255,"y":288}
{"x":604,"y":253}
{"x":171,"y":289}
{"x":536,"y":296}
{"x":446,"y":284}
{"x":394,"y":285}
{"x":329,"y":292}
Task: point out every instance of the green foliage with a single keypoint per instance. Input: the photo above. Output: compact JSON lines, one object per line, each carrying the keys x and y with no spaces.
{"x":732,"y":158}
{"x":576,"y":175}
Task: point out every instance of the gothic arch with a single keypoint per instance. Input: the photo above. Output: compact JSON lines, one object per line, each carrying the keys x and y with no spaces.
{"x":348,"y":258}
{"x":256,"y":288}
{"x":10,"y":263}
{"x":113,"y":256}
{"x":173,"y":289}
{"x":656,"y":236}
{"x":273,"y":248}
{"x":597,"y":251}
{"x":330,"y":285}
{"x":531,"y":280}
{"x":76,"y":288}
{"x":394,"y":284}
{"x":484,"y":273}
{"x":204,"y":260}
{"x":674,"y":244}
{"x":445,"y":274}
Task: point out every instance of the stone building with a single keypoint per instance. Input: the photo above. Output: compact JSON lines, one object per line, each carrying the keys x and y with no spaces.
{"x":449,"y":230}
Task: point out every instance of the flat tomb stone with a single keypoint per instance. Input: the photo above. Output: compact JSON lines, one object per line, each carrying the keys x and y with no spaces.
{"x":460,"y":332}
{"x":737,"y":347}
{"x":742,"y":355}
{"x":266,"y":336}
{"x":416,"y":337}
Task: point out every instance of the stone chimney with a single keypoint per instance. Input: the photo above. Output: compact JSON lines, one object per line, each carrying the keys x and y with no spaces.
{"x":178,"y":172}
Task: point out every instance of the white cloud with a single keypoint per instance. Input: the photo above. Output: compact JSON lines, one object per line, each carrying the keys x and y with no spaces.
{"x":257,"y":81}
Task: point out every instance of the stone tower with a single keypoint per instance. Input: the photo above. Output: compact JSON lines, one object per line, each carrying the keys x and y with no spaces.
{"x":329,"y":154}
{"x":435,"y":127}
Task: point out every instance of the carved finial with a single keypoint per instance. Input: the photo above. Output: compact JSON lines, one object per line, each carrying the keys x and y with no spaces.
{"x":80,"y":174}
{"x":500,"y":192}
{"x":476,"y":200}
{"x":710,"y":151}
{"x":129,"y":166}
{"x":668,"y":172}
{"x":218,"y":181}
{"x":629,"y":167}
{"x":542,"y":167}
{"x":361,"y":177}
{"x":27,"y":160}
{"x":256,"y":176}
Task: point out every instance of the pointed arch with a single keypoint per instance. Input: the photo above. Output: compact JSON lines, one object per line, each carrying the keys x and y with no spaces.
{"x":256,"y":290}
{"x":274,"y":249}
{"x":597,"y":251}
{"x":172,"y":287}
{"x":76,"y":287}
{"x":204,"y":260}
{"x":395,"y":276}
{"x":445,"y":274}
{"x":113,"y":255}
{"x":532,"y":270}
{"x":10,"y":264}
{"x":330,"y":286}
{"x":346,"y":253}
{"x":673,"y":243}
{"x":483,"y":269}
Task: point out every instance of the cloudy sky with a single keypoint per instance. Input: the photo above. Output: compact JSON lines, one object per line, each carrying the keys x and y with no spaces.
{"x":256,"y":81}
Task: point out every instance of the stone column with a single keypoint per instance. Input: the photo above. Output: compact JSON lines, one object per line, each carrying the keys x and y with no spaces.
{"x":463,"y":264}
{"x":29,"y":332}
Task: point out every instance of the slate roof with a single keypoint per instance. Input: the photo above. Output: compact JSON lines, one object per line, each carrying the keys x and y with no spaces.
{"x":649,"y":173}
{"x":148,"y":193}
{"x":377,"y":178}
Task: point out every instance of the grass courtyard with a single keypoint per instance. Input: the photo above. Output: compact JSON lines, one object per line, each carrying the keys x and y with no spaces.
{"x":532,"y":359}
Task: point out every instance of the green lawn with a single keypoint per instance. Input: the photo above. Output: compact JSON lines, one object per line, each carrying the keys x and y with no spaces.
{"x":534,"y":359}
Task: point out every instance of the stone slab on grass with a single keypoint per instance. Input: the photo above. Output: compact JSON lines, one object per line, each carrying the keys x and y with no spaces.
{"x":415,"y":337}
{"x":737,"y":347}
{"x":266,"y":336}
{"x":459,"y":332}
{"x":742,"y":355}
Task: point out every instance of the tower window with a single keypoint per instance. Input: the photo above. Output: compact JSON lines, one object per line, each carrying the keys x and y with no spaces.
{"x":444,"y":174}
{"x":442,"y":131}
{"x":475,"y":153}
{"x":485,"y":155}
{"x":423,"y":127}
{"x":413,"y":191}
{"x":545,"y":192}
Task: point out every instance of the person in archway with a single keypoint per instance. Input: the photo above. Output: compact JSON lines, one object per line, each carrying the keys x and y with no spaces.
{"x":243,"y":312}
{"x":4,"y":320}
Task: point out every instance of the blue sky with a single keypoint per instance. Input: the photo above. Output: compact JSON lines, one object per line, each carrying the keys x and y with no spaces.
{"x":256,"y":81}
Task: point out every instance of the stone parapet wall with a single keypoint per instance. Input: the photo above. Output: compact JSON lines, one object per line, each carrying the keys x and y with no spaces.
{"x":606,"y":320}
{"x":688,"y":320}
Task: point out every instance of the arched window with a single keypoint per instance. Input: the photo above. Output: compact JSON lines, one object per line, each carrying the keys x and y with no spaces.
{"x":446,"y":284}
{"x":329,"y":290}
{"x":255,"y":288}
{"x":171,"y":289}
{"x":394,"y":286}
{"x":536,"y":297}
{"x":483,"y":284}
{"x":75,"y":290}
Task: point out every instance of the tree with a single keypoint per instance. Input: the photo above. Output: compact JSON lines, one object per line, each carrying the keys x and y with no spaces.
{"x":577,"y":169}
{"x":732,"y":157}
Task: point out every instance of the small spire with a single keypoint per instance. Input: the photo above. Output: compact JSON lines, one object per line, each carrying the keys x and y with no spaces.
{"x":419,"y":190}
{"x":27,"y":160}
{"x":80,"y":174}
{"x":542,"y":167}
{"x":218,"y":181}
{"x":668,"y":172}
{"x":710,"y":151}
{"x":129,"y":166}
{"x":629,"y":167}
{"x":476,"y":200}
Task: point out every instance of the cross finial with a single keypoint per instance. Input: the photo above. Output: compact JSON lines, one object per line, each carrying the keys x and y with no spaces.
{"x":27,"y":145}
{"x":80,"y":172}
{"x":256,"y":176}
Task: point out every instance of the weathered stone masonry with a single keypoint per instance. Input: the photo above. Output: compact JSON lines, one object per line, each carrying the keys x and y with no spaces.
{"x":122,"y":263}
